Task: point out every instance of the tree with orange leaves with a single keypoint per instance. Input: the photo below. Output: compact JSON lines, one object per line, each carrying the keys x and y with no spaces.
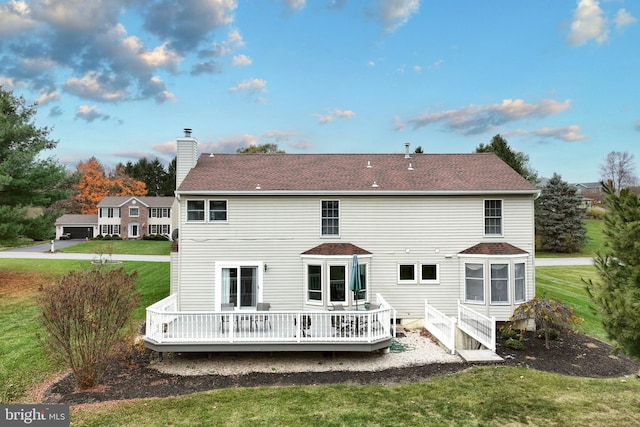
{"x":95,"y":184}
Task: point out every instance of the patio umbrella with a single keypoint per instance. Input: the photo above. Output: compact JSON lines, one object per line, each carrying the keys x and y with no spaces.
{"x":354,"y":284}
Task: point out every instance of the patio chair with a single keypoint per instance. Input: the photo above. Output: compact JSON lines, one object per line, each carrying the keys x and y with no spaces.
{"x":305,"y":326}
{"x":339,"y":323}
{"x":260,"y":316}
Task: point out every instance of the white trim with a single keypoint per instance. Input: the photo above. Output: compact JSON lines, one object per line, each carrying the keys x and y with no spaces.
{"x":413,"y":281}
{"x":220,"y":265}
{"x":429,"y":281}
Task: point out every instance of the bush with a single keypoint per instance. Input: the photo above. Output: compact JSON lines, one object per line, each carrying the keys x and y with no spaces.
{"x":595,"y":213}
{"x":510,"y":332}
{"x":83,"y":315}
{"x":514,"y":344}
{"x":158,"y":237}
{"x":553,"y":333}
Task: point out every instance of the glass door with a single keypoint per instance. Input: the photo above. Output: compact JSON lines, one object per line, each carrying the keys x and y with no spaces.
{"x":240,"y":286}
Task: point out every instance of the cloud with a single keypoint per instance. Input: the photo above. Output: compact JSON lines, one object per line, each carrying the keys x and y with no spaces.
{"x":588,"y":23}
{"x":228,"y":145}
{"x":392,"y":14}
{"x":623,"y":19}
{"x":474,"y":119}
{"x":90,"y":114}
{"x":250,"y":85}
{"x":186,"y":24}
{"x":278,"y":135}
{"x":46,"y":97}
{"x":55,"y":111}
{"x":15,"y":17}
{"x":323,"y":119}
{"x":637,"y":125}
{"x":295,"y":5}
{"x":568,"y":133}
{"x":168,"y":147}
{"x":95,"y":86}
{"x":241,"y":61}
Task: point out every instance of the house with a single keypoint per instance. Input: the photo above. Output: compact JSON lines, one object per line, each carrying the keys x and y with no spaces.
{"x":283,"y":229}
{"x":132,"y":216}
{"x":125,"y":216}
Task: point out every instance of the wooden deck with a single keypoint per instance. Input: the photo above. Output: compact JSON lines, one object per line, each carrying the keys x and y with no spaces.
{"x":168,"y":330}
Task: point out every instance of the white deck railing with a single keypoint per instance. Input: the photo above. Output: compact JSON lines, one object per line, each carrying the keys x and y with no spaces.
{"x":167,"y":325}
{"x":477,"y":326}
{"x":442,"y":327}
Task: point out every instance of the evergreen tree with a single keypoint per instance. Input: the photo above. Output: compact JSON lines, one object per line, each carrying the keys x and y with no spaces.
{"x":517,"y":160}
{"x":27,"y":179}
{"x":560,"y":225}
{"x":616,"y":294}
{"x":159,"y":182}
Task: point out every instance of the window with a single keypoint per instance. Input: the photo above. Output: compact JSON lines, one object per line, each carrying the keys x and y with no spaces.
{"x":337,"y":283}
{"x":159,"y":213}
{"x":109,"y":229}
{"x":407,"y":273}
{"x":134,"y":211}
{"x":499,"y":283}
{"x":330,"y":218}
{"x":520,"y":291}
{"x":429,"y":273}
{"x":109,"y":212}
{"x":474,"y":282}
{"x":217,"y":210}
{"x":159,"y":229}
{"x":493,"y":217}
{"x":314,"y":283}
{"x":362,"y":295}
{"x":195,"y":210}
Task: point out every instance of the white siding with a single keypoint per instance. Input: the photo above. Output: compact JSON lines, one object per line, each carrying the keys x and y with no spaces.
{"x":277,"y":230}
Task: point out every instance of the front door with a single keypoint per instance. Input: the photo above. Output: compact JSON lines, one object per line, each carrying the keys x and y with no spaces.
{"x":240,"y":286}
{"x":134,"y":230}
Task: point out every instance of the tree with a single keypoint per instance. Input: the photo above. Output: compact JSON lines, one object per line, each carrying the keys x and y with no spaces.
{"x":159,"y":182}
{"x":616,"y":294}
{"x":618,"y":167}
{"x":94,"y":185}
{"x":258,"y":149}
{"x":83,"y":315}
{"x":517,"y":160}
{"x":559,"y":218}
{"x":547,"y":314}
{"x":26,"y":178}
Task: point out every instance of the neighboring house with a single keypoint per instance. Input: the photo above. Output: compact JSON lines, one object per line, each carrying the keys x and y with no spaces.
{"x":132,"y":217}
{"x":125,"y":216}
{"x":77,"y":226}
{"x":283,"y":229}
{"x":590,"y":192}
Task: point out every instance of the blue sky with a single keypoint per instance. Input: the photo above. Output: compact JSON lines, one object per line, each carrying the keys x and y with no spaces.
{"x":120,"y":79}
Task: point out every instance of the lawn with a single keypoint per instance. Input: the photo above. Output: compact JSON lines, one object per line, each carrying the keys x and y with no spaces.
{"x":138,"y":247}
{"x":595,"y":239}
{"x":22,"y":361}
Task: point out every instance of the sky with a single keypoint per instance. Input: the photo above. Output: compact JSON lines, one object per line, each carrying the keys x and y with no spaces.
{"x":120,"y":79}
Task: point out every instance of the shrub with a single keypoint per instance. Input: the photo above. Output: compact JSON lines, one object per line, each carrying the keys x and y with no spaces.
{"x":553,"y":333}
{"x":595,"y":212}
{"x":546,"y":313}
{"x":83,"y":315}
{"x":514,"y":344}
{"x":158,"y":237}
{"x":510,"y":332}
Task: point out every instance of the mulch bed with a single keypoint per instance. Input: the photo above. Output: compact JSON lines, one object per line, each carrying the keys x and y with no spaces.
{"x":574,"y":354}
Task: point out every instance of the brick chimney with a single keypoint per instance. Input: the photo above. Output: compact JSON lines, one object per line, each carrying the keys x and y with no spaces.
{"x":187,"y":156}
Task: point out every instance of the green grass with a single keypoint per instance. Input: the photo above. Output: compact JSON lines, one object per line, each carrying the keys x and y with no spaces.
{"x":22,"y":360}
{"x":138,"y":247}
{"x":565,"y":283}
{"x":595,"y":239}
{"x":486,"y":396}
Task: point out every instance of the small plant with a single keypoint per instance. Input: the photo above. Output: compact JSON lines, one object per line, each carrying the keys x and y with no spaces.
{"x":514,"y":344}
{"x":553,"y":333}
{"x":510,"y":332}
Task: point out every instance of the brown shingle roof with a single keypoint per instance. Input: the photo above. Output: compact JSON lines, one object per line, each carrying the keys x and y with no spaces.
{"x":149,"y":201}
{"x":478,"y":172}
{"x":494,"y":249}
{"x":76,"y":219}
{"x":336,"y":249}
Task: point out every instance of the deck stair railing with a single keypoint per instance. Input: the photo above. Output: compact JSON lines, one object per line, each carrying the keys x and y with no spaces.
{"x":477,"y":326}
{"x":442,"y":327}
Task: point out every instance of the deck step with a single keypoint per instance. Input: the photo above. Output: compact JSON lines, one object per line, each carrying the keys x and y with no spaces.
{"x":480,"y":356}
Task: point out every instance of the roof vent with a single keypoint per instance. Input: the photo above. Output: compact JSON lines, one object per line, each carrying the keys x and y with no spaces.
{"x":368,"y":164}
{"x":211,"y":155}
{"x":406,"y":151}
{"x":374,"y":185}
{"x":187,"y":132}
{"x":410,"y":168}
{"x":258,"y":187}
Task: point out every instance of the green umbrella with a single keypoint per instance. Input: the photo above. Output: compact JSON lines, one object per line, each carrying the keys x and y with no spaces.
{"x":354,"y":284}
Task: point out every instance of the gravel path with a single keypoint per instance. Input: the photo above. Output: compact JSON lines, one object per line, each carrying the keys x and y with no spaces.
{"x":411,"y":350}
